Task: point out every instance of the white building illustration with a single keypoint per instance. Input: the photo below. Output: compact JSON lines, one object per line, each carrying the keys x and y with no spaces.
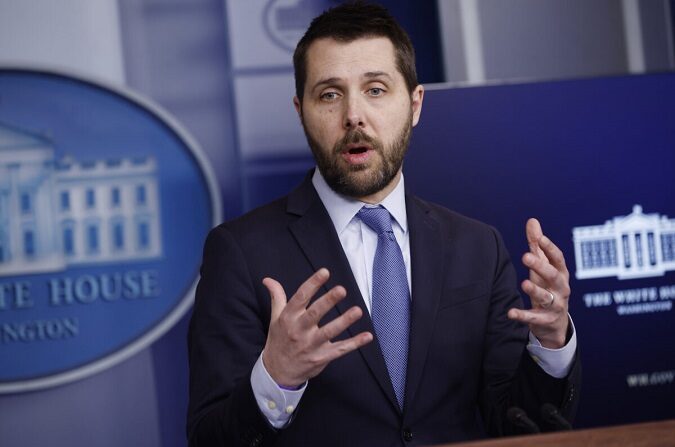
{"x":57,"y":213}
{"x":634,"y":246}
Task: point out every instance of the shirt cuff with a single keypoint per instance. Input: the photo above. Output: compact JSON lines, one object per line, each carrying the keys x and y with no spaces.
{"x":555,"y":362}
{"x":276,"y":404}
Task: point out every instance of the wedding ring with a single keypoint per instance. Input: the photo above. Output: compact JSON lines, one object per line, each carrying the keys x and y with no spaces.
{"x":547,"y":305}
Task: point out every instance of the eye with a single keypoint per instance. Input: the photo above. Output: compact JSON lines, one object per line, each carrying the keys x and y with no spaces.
{"x":376,"y":91}
{"x":329,"y":96}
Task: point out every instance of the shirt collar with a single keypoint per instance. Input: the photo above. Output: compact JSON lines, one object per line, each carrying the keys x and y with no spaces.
{"x":342,"y":209}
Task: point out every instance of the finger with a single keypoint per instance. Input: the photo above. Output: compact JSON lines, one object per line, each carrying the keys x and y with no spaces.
{"x":536,"y":278}
{"x":308,"y":289}
{"x":321,"y":306}
{"x":342,"y":347}
{"x":541,"y":297}
{"x":533,"y":233}
{"x":335,"y":327}
{"x":278,"y":297}
{"x":533,"y":317}
{"x":542,"y":272}
{"x":553,"y":253}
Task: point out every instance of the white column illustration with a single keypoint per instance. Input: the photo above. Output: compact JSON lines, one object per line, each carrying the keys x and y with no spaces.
{"x":634,"y":246}
{"x":56,"y":213}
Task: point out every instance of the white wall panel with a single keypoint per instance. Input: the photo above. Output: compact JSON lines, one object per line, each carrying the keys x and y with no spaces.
{"x":76,"y":35}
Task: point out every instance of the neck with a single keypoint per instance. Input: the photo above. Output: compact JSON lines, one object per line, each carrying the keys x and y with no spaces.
{"x":380,"y":195}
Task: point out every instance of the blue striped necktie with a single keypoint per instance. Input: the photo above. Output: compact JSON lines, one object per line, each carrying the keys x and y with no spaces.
{"x":390,"y":310}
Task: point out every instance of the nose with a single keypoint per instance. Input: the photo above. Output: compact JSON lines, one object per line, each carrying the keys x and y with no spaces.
{"x":353,"y":114}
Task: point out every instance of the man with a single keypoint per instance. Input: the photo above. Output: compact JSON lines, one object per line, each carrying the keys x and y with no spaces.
{"x":353,"y":313}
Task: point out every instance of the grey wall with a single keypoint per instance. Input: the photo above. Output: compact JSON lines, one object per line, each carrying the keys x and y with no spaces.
{"x":517,"y":40}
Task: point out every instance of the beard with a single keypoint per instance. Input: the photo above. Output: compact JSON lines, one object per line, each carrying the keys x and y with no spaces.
{"x":364,"y":179}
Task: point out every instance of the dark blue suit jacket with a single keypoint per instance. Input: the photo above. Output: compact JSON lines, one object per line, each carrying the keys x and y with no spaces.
{"x":466,"y":358}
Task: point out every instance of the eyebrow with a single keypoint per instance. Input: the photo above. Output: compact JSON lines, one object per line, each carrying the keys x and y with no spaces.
{"x":335,"y":80}
{"x":327,"y":81}
{"x":376,"y":74}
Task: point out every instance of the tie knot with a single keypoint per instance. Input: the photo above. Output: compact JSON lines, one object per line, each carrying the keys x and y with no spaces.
{"x":378,"y":219}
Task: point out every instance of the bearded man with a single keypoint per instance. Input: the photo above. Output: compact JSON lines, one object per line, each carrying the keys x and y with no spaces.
{"x":351,"y":312}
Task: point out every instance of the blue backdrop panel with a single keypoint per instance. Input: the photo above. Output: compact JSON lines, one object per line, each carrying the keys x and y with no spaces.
{"x":575,"y":154}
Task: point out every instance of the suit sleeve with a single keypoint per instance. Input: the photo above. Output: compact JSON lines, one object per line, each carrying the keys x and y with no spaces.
{"x":510,"y":375}
{"x":226,"y":335}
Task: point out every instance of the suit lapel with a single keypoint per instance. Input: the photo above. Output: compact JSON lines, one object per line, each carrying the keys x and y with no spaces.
{"x":426,"y":255}
{"x":316,"y":236}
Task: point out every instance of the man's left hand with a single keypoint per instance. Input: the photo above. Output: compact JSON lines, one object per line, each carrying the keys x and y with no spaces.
{"x":548,"y":288}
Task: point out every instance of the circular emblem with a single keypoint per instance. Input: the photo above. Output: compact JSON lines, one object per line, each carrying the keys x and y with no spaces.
{"x":104,"y":205}
{"x":285,"y":21}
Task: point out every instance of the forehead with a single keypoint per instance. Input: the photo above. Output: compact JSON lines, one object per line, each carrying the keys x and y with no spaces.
{"x":328,"y":57}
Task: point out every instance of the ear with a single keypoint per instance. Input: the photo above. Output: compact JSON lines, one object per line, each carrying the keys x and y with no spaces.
{"x":298,"y":106}
{"x":417,"y":98}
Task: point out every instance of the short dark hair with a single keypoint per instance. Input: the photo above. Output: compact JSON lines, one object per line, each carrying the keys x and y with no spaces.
{"x":351,"y":21}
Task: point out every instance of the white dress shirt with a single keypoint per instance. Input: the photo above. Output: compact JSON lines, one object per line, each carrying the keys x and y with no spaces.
{"x":359,"y":243}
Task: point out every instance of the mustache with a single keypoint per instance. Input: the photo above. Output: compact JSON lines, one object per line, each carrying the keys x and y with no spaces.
{"x":356,"y":136}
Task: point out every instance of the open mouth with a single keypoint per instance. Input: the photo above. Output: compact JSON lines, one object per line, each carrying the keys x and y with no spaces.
{"x":357,"y":153}
{"x":357,"y":150}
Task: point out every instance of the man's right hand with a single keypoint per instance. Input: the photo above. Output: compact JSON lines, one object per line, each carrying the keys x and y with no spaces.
{"x":297,"y":349}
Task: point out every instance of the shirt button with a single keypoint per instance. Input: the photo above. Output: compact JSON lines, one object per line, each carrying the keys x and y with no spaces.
{"x":271,"y":404}
{"x":407,"y":435}
{"x":289,"y":409}
{"x":570,"y":396}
